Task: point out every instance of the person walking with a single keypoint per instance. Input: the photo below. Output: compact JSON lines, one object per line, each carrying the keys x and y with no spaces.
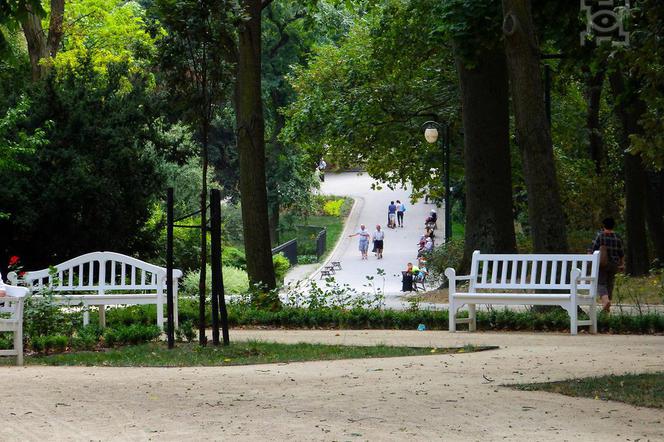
{"x":392,"y":215}
{"x":363,"y":245}
{"x":612,"y":260}
{"x":378,"y":237}
{"x":401,"y":208}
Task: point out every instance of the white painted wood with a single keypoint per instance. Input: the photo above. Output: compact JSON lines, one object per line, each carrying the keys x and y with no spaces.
{"x":11,"y":305}
{"x":539,"y":282}
{"x":105,"y":289}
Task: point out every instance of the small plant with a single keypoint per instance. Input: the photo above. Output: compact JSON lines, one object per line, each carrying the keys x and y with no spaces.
{"x":333,"y":207}
{"x":307,"y":259}
{"x":281,"y":266}
{"x":186,"y":332}
{"x":133,"y":334}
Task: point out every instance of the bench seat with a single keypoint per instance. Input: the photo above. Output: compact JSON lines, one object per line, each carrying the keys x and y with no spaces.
{"x":568,"y":281}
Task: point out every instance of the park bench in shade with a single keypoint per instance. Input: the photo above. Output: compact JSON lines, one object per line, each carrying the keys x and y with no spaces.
{"x":569,"y":281}
{"x":11,"y":319}
{"x":105,"y":278}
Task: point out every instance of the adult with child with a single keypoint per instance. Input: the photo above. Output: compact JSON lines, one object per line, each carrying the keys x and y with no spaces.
{"x":378,"y":238}
{"x":363,"y":245}
{"x":612,"y":260}
{"x":392,"y":215}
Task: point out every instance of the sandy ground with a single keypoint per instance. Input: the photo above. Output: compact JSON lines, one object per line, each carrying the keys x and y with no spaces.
{"x":439,"y":397}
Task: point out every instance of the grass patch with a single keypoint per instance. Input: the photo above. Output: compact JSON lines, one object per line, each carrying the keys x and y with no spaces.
{"x":643,"y":390}
{"x":156,"y":354}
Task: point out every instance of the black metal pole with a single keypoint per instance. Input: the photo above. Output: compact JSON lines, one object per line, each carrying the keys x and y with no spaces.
{"x":170,"y":331}
{"x":222,"y":296}
{"x":448,"y":205}
{"x":547,"y":92}
{"x":215,"y":259}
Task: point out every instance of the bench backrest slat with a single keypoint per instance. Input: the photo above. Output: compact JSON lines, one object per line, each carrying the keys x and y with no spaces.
{"x":104,"y":271}
{"x":532,"y":272}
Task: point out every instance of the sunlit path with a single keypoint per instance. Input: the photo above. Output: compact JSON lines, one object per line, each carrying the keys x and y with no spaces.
{"x":371,"y":209}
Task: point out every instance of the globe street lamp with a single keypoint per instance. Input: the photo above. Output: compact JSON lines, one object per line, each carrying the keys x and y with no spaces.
{"x":431,"y":134}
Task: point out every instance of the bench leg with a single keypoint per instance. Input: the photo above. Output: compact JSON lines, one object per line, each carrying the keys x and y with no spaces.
{"x":472,"y":318}
{"x":573,"y":319}
{"x":102,"y":316}
{"x":160,"y":314}
{"x":452,"y":317}
{"x":18,"y":345}
{"x":592,"y":313}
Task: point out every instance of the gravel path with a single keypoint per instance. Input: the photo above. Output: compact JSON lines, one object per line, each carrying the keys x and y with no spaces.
{"x":438,"y":397}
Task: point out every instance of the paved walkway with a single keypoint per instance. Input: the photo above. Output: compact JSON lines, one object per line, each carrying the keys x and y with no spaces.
{"x":438,"y":397}
{"x":371,"y":209}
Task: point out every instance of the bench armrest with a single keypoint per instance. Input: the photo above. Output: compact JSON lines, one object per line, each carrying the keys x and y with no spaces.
{"x":586,"y":278}
{"x":463,"y":278}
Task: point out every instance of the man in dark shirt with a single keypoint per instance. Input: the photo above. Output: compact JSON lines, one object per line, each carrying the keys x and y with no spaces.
{"x":616,"y":256}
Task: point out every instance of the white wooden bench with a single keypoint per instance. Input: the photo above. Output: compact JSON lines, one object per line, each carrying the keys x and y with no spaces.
{"x":11,"y":319}
{"x":105,"y":278}
{"x":569,"y":281}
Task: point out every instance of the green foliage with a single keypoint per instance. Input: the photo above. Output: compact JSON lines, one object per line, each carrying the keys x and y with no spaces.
{"x":15,"y":138}
{"x":90,"y":187}
{"x":281,"y":266}
{"x":333,"y":207}
{"x":234,"y":257}
{"x":186,"y":331}
{"x":107,"y":31}
{"x":131,"y":334}
{"x":443,"y":256}
{"x":366,"y":96}
{"x":236,"y":281}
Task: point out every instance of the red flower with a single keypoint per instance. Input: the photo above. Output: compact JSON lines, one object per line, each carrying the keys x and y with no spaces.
{"x":14,"y":260}
{"x":21,"y":274}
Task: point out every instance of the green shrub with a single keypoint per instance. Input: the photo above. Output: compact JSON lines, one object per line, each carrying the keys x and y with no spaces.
{"x":133,"y":334}
{"x":333,"y":207}
{"x":236,"y":281}
{"x":86,"y":338}
{"x":6,"y":341}
{"x":444,"y":256}
{"x":186,"y":331}
{"x":281,"y":266}
{"x":234,"y":257}
{"x":56,"y":343}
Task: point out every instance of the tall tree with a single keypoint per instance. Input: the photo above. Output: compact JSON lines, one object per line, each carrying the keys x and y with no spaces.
{"x":629,"y":109}
{"x":251,"y":147}
{"x":482,"y":71}
{"x":545,"y":209}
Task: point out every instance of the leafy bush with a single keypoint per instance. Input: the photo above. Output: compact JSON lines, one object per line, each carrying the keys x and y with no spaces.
{"x":234,"y":257}
{"x":446,"y":255}
{"x":132,"y":334}
{"x":307,"y":259}
{"x":42,"y":317}
{"x":281,"y":266}
{"x":235,"y":281}
{"x":333,"y":207}
{"x":86,"y":338}
{"x":186,"y":331}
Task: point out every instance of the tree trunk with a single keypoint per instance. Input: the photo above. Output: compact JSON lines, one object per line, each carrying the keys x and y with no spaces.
{"x":636,"y":263}
{"x":40,"y":45}
{"x":251,"y":148}
{"x":485,"y":113}
{"x":545,"y":212}
{"x":593,"y":94}
{"x":655,"y":213}
{"x":629,"y":109}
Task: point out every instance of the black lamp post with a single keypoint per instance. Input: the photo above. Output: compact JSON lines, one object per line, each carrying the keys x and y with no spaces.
{"x":431,"y":132}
